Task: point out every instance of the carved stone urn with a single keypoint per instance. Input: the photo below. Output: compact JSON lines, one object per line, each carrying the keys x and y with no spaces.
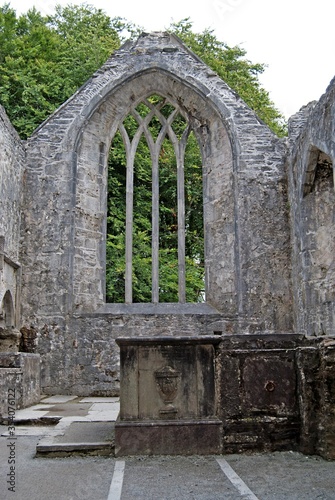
{"x":167,"y":383}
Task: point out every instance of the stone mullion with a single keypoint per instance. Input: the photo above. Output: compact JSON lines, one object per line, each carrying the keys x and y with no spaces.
{"x":130,"y":154}
{"x":181,"y":226}
{"x":179,"y":148}
{"x":155,"y":147}
{"x":154,"y":152}
{"x":181,"y":217}
{"x":155,"y":228}
{"x":131,"y":148}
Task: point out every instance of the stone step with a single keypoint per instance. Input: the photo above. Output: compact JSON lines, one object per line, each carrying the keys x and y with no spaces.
{"x":90,"y":438}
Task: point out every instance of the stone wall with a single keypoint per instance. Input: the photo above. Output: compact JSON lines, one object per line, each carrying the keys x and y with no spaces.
{"x":11,"y":174}
{"x":312,"y":200}
{"x":63,"y":252}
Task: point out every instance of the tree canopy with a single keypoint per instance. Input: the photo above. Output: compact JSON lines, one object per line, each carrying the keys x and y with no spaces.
{"x":45,"y":59}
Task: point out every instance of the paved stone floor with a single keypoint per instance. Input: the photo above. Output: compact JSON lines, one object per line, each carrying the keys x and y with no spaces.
{"x":274,"y":476}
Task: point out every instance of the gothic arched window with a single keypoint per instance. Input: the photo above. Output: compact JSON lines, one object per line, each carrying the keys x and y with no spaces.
{"x":155,"y":237}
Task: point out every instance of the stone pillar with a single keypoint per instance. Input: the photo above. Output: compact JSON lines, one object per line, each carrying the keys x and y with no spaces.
{"x":326,"y":422}
{"x":308,"y":386}
{"x":316,"y":389}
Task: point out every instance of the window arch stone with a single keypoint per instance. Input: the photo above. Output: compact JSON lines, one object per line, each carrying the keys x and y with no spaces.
{"x":218,"y":178}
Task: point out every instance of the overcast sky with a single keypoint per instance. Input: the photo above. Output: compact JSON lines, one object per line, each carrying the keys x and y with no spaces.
{"x":294,"y":38}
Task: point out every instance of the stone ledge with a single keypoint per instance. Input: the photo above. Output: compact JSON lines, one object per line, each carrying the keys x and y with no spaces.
{"x":149,"y":308}
{"x":168,"y":340}
{"x":62,"y":449}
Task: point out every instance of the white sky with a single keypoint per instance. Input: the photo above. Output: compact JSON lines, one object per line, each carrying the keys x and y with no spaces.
{"x":294,"y":38}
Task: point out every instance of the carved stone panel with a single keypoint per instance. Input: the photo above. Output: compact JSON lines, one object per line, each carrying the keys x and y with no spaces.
{"x":167,"y":378}
{"x":269,"y":383}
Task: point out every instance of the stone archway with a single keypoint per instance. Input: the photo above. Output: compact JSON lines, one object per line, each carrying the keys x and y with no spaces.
{"x":218,"y":198}
{"x":317,"y":242}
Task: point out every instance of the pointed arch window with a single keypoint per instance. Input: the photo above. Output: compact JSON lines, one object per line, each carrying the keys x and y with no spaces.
{"x":7,"y":311}
{"x":319,"y":168}
{"x":162,"y":199}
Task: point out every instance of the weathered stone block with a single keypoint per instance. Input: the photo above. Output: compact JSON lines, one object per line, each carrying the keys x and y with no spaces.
{"x":19,"y":381}
{"x":258,"y":392}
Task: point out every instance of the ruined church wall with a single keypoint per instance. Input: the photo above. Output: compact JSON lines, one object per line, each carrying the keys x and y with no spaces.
{"x":11,"y":171}
{"x":11,"y":174}
{"x":64,"y":212}
{"x":312,"y":200}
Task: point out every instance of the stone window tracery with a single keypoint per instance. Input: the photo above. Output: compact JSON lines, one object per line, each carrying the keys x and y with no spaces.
{"x":156,"y":120}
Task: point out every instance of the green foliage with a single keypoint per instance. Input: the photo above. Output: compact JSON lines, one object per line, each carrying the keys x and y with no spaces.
{"x":44,"y":59}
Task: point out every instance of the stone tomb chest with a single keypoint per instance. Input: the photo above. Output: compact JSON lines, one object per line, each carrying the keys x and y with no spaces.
{"x":168,"y":402}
